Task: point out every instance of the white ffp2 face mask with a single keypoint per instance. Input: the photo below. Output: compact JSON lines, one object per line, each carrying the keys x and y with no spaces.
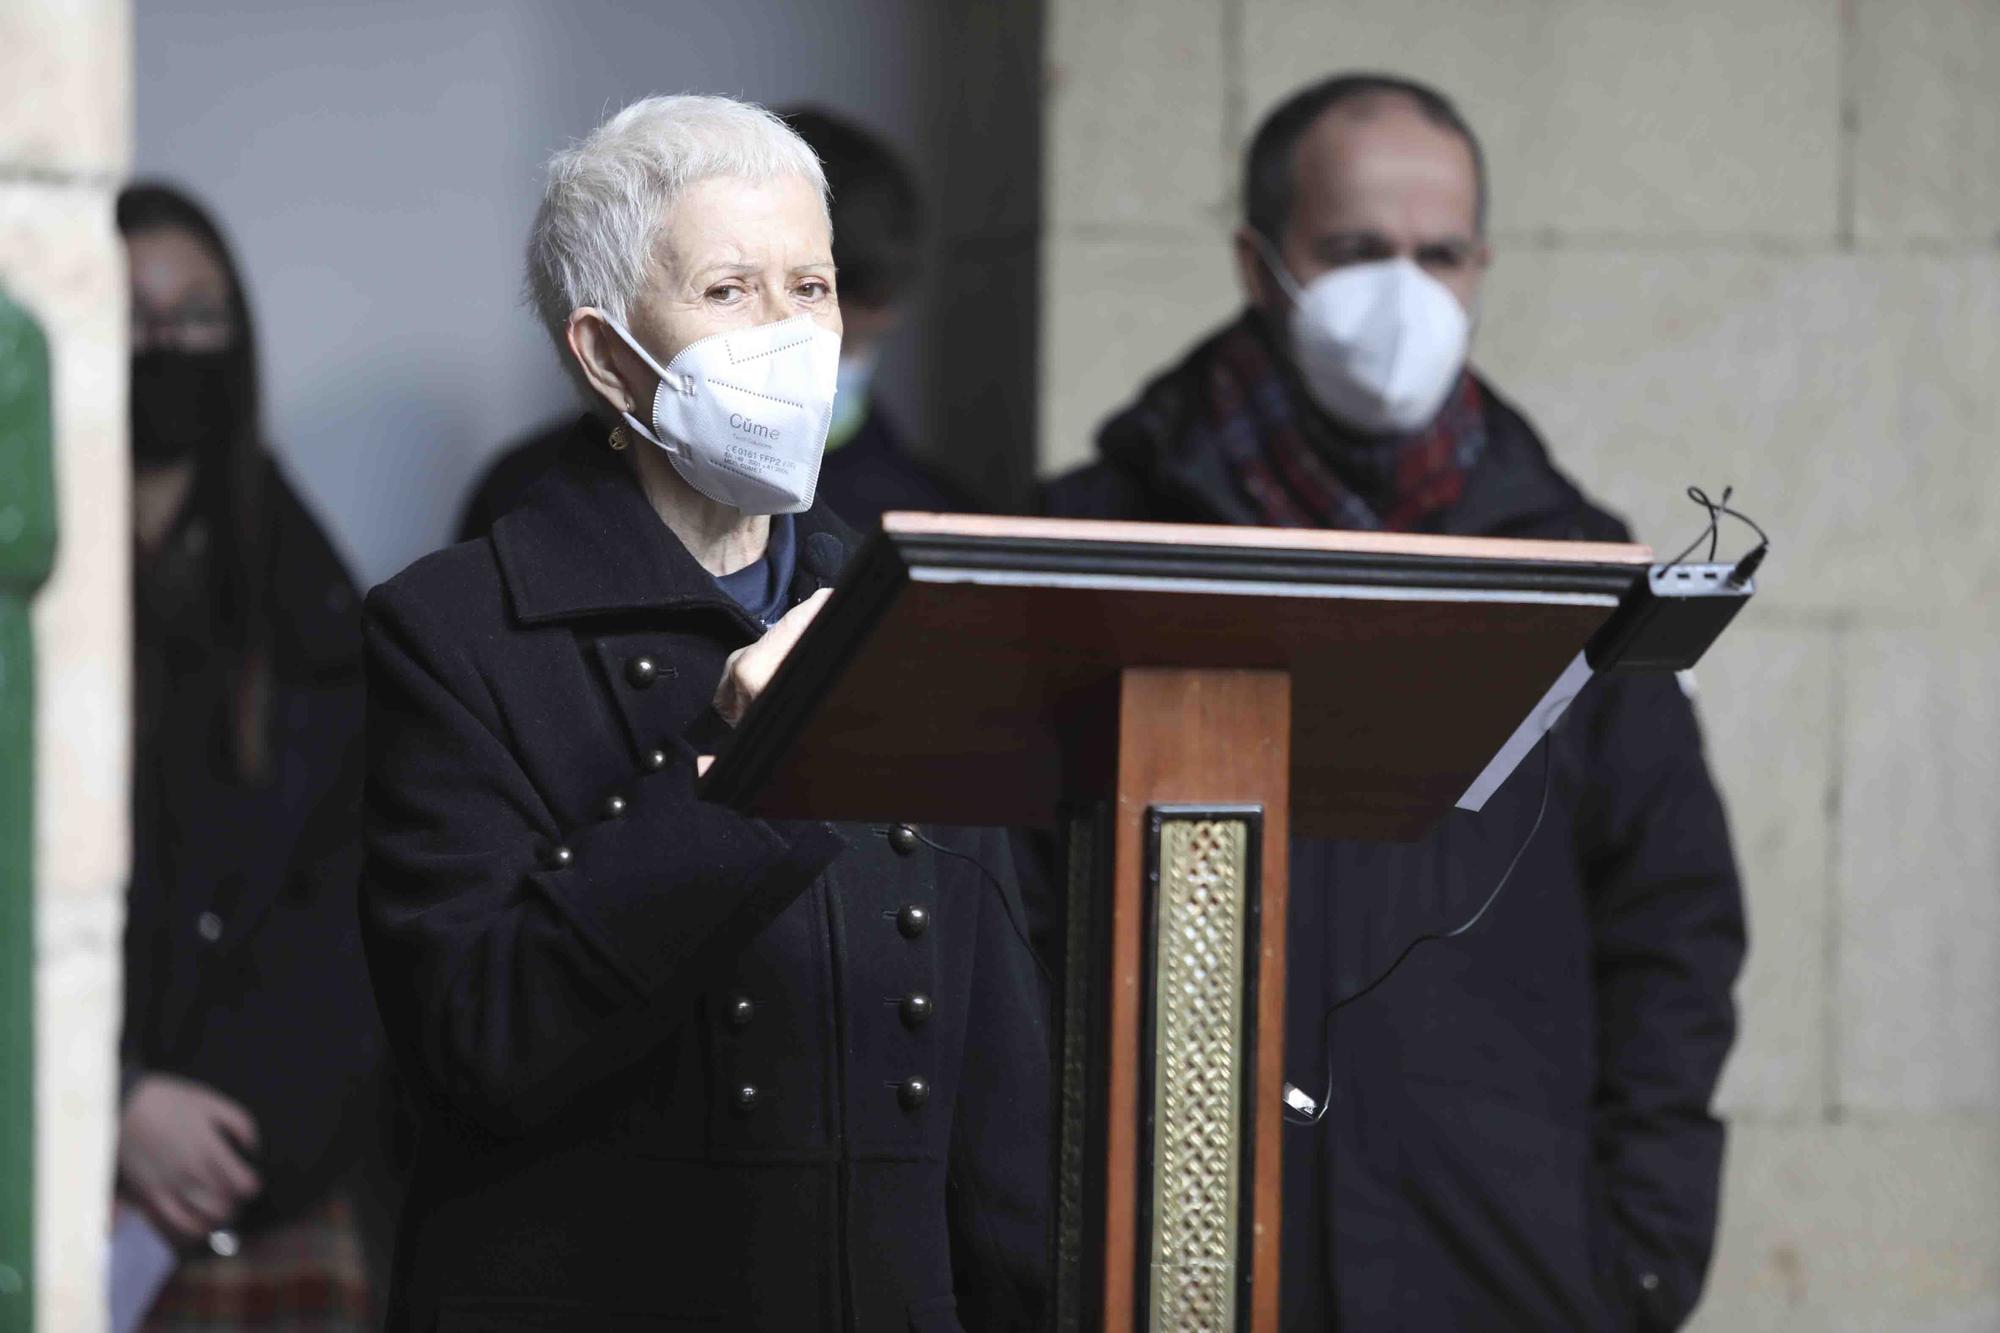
{"x":743,"y":415}
{"x":1379,"y":345}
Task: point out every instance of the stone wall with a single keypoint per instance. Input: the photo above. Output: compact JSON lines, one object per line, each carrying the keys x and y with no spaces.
{"x":64,"y":143}
{"x":988,"y":220}
{"x":1737,"y":241}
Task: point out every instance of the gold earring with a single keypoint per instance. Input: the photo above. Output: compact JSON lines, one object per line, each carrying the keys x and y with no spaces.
{"x":619,"y":439}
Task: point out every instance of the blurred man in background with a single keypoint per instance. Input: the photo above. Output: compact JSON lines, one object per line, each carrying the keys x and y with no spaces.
{"x":877,"y":249}
{"x":1511,"y":1129}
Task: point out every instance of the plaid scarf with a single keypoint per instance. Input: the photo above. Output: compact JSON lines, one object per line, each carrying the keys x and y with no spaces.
{"x":1289,"y":463}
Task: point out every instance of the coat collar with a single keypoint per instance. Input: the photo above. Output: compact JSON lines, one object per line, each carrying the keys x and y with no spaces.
{"x":1514,"y":489}
{"x":586,"y":543}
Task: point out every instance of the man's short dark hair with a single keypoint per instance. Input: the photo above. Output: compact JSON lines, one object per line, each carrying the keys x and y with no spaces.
{"x":877,"y":215}
{"x":1268,"y":185}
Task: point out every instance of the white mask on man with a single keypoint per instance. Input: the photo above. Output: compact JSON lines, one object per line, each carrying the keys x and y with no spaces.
{"x":1379,"y":345}
{"x":743,"y":415}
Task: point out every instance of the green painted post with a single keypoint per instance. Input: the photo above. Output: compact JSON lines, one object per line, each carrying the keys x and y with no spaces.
{"x":27,"y":549}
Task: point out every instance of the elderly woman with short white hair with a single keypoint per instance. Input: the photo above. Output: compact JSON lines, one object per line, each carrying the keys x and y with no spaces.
{"x":679,"y":1067}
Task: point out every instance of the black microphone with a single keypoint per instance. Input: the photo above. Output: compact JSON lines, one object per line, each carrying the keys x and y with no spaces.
{"x":823,"y":557}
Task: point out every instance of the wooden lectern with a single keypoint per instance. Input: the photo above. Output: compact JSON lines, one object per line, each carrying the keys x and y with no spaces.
{"x":1183,"y":699}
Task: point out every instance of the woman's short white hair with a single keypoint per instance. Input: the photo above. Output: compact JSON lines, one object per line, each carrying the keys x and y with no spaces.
{"x":608,"y":195}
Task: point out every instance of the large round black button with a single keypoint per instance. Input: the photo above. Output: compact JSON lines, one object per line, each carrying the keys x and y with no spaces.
{"x":903,"y":839}
{"x":741,"y":1010}
{"x":913,"y":921}
{"x":614,"y":806}
{"x":916,"y":1010}
{"x":559,"y":858}
{"x":654,"y":760}
{"x":912,"y":1093}
{"x":641,"y":672}
{"x":745,"y":1098}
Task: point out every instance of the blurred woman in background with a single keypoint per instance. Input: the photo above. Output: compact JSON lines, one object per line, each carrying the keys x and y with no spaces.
{"x":249,"y":1038}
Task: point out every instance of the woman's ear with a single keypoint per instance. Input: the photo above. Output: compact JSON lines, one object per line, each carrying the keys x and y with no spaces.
{"x":602,"y":355}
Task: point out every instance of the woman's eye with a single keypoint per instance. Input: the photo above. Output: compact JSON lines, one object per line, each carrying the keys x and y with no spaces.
{"x":727,"y":293}
{"x":814,"y":289}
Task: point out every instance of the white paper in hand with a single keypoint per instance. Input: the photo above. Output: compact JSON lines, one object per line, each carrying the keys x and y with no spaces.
{"x":141,"y":1262}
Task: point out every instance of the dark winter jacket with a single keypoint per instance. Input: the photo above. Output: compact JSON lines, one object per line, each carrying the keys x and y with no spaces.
{"x":681,"y":1068}
{"x":1520,"y":1134}
{"x":243,"y":966}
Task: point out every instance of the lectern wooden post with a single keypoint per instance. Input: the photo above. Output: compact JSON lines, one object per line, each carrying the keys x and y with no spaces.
{"x":1197,"y":694}
{"x":1184,"y":1045}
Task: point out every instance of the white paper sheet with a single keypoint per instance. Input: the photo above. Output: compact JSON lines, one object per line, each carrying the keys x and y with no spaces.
{"x":141,"y":1262}
{"x":1533,"y":727}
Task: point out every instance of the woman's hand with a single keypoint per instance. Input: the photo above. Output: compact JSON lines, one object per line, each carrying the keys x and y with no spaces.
{"x":181,"y":1148}
{"x":750,"y":668}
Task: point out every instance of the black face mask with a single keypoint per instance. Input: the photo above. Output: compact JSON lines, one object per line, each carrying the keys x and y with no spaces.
{"x":180,"y":401}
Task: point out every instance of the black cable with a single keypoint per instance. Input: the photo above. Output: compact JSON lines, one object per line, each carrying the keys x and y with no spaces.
{"x":1717,"y":511}
{"x":1763,"y":539}
{"x":1326,"y":1020}
{"x":1714,"y":529}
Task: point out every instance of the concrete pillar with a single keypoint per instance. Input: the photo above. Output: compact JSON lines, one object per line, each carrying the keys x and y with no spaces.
{"x":989,"y":224}
{"x":64,"y":147}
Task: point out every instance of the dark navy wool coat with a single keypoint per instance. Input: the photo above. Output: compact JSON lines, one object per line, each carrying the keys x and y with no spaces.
{"x":681,"y":1068}
{"x":1520,"y":1135}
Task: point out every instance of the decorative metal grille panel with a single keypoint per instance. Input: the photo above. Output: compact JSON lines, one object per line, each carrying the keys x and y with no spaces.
{"x":1202,"y":929}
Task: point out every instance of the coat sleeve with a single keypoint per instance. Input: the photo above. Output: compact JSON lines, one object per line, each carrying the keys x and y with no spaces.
{"x":510,"y":976}
{"x":1667,"y":920}
{"x":999,"y":1199}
